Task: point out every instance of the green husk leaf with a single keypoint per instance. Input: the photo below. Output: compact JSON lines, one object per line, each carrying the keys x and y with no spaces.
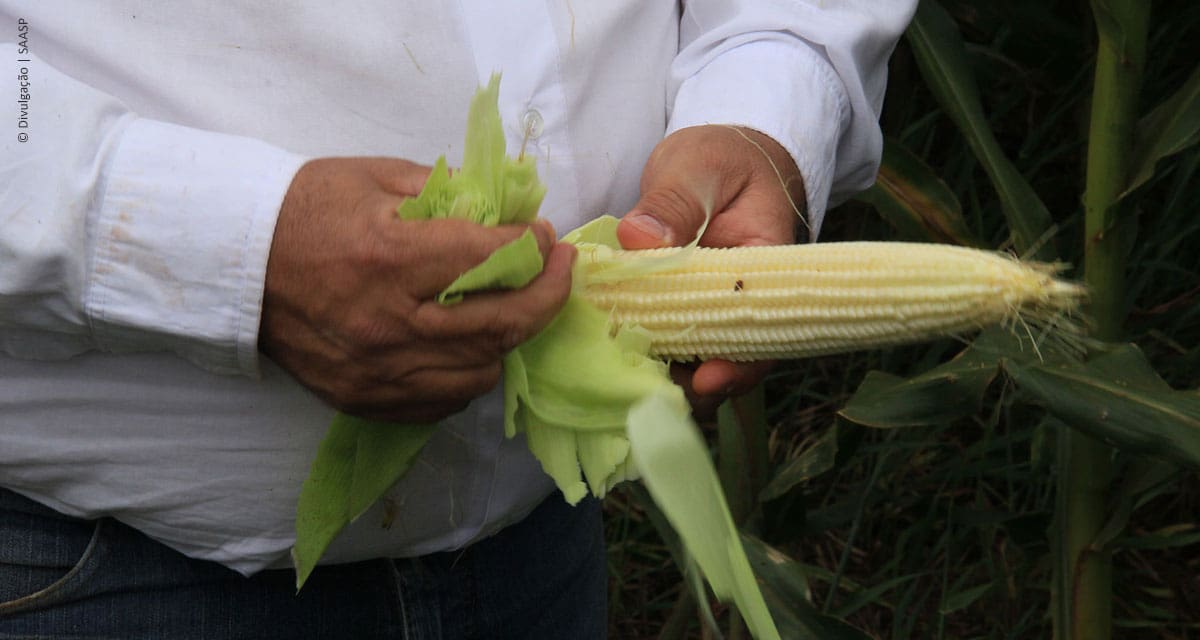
{"x":510,"y":267}
{"x":356,"y":463}
{"x":557,"y":450}
{"x":491,"y":188}
{"x":607,"y":376}
{"x":602,"y":231}
{"x":678,"y":474}
{"x":321,"y":510}
{"x":383,"y":453}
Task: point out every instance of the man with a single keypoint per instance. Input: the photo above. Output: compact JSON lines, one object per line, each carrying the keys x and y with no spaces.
{"x":201,"y":262}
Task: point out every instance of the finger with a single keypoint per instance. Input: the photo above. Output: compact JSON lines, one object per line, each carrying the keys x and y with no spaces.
{"x":745,"y":182}
{"x":704,"y":408}
{"x":686,"y":179}
{"x":723,"y":379}
{"x":501,"y":320}
{"x":755,"y":218}
{"x":426,"y":395}
{"x":669,"y":214}
{"x":428,"y":255}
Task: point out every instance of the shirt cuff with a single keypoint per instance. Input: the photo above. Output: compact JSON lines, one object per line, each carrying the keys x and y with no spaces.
{"x":784,"y":89}
{"x":182,"y":237}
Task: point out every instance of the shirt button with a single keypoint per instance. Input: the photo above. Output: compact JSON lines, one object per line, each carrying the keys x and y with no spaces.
{"x":532,"y":124}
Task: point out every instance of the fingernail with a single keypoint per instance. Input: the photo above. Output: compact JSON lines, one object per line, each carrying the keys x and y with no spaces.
{"x":649,"y":225}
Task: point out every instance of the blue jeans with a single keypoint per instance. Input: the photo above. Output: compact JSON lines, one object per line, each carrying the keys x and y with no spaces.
{"x":61,"y":577}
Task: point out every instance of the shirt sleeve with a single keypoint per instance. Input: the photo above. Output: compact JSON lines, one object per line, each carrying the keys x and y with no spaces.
{"x":808,"y":73}
{"x":125,"y":234}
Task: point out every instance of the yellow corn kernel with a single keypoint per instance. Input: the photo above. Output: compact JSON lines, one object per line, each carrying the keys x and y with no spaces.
{"x":778,"y":302}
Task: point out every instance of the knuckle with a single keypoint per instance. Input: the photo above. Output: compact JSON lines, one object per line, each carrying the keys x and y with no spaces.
{"x":508,"y":333}
{"x":422,"y":321}
{"x":671,"y":203}
{"x":350,"y":398}
{"x":543,"y":232}
{"x":364,"y":333}
{"x":376,"y":252}
{"x":487,"y":378}
{"x":509,"y":339}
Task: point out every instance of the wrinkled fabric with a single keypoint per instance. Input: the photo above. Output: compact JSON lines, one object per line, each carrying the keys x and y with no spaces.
{"x":136,"y":220}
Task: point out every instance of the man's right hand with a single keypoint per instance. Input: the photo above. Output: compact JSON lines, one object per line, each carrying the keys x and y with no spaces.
{"x":348,"y":308}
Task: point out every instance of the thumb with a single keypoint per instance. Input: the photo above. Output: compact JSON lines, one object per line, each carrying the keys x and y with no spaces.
{"x":667,"y":215}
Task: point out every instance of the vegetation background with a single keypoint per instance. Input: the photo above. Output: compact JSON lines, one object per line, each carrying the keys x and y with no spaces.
{"x":937,"y":499}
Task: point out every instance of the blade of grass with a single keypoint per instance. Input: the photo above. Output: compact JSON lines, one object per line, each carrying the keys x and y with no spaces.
{"x":1170,"y":128}
{"x":914,"y":200}
{"x":942,"y":59}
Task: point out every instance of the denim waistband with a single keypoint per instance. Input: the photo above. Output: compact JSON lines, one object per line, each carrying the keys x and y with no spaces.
{"x":12,"y":501}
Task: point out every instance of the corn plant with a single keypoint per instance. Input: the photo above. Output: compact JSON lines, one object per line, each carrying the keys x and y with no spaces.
{"x":1110,"y":414}
{"x":1107,"y":429}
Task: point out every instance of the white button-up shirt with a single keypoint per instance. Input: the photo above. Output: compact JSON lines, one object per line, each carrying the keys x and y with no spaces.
{"x":141,"y":177}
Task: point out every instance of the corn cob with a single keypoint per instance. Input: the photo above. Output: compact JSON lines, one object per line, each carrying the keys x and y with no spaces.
{"x":779,"y":302}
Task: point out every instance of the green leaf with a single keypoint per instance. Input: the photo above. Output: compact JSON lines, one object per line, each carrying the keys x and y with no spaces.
{"x":383,"y":454}
{"x":1117,"y":397}
{"x":600,"y":231}
{"x":942,"y":59}
{"x":557,"y":450}
{"x":962,"y":599}
{"x":1170,"y":128}
{"x":608,"y":375}
{"x":873,"y":594}
{"x":510,"y":267}
{"x":814,"y":461}
{"x":356,"y":462}
{"x":785,"y":589}
{"x":742,"y":451}
{"x":947,"y":392}
{"x":914,"y":200}
{"x":1108,"y":21}
{"x":321,"y":510}
{"x":1185,"y":536}
{"x":491,"y":188}
{"x":677,"y":471}
{"x":1144,"y":479}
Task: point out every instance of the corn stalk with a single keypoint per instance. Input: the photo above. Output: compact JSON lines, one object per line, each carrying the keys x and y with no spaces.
{"x":1084,"y":568}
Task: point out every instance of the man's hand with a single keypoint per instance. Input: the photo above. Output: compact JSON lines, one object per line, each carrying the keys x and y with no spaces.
{"x":752,"y":187}
{"x":348,"y":308}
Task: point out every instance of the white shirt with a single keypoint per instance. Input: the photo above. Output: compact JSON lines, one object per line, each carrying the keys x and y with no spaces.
{"x":136,"y":218}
